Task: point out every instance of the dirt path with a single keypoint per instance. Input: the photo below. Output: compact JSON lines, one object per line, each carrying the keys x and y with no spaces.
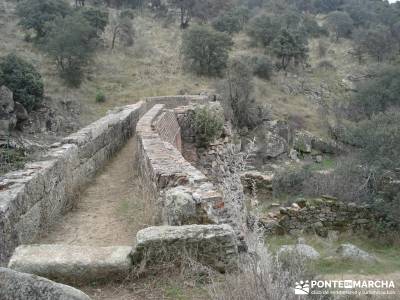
{"x":109,"y":212}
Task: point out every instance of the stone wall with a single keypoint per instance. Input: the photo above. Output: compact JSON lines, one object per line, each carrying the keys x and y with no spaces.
{"x":32,"y":199}
{"x":184,"y":194}
{"x":319,"y":216}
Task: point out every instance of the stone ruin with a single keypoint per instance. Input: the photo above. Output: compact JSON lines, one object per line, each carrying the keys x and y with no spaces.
{"x":196,"y":193}
{"x":191,"y":209}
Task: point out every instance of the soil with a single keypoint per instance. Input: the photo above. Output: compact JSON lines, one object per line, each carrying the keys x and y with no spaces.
{"x":110,"y":211}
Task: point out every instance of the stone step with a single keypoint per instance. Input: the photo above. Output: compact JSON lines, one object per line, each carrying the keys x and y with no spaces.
{"x":73,"y":264}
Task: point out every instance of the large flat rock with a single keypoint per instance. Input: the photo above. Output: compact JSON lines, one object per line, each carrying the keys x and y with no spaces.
{"x":212,"y":245}
{"x":72,"y":264}
{"x":21,"y":286}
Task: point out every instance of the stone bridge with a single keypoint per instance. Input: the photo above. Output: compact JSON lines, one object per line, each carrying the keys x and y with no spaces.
{"x":33,"y":199}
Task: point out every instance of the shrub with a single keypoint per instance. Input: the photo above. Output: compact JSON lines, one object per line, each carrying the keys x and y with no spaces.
{"x":380,"y":92}
{"x":237,"y":91}
{"x":23,"y":80}
{"x":326,"y":65}
{"x":71,"y":42}
{"x":262,"y":67}
{"x":100,"y":96}
{"x":290,"y":181}
{"x":97,"y":18}
{"x":206,"y":50}
{"x":35,"y":14}
{"x":263,"y":29}
{"x":232,"y":21}
{"x":208,"y":124}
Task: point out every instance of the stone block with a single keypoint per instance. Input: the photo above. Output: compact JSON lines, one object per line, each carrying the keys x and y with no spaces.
{"x":72,"y":264}
{"x":20,"y":286}
{"x":212,"y":245}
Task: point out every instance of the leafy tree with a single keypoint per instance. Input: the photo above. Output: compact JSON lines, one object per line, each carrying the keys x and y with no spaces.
{"x":263,"y":29}
{"x":312,"y":28}
{"x":340,"y":23}
{"x":376,"y":41}
{"x":288,"y":47}
{"x":186,"y":10}
{"x":232,"y":21}
{"x":97,"y":18}
{"x":206,"y":50}
{"x":122,"y":29}
{"x":380,"y":92}
{"x":70,"y":42}
{"x":34,"y":14}
{"x":208,"y":124}
{"x":23,"y":80}
{"x":326,"y":6}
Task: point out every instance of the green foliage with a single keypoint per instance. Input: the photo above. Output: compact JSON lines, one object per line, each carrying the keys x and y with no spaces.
{"x":379,"y":138}
{"x":238,"y":92}
{"x":340,"y":23}
{"x":208,"y":124}
{"x":290,"y":47}
{"x":232,"y":21}
{"x":100,"y":96}
{"x":34,"y":14}
{"x":379,"y":93}
{"x":376,"y":41}
{"x":11,"y":159}
{"x":206,"y":50}
{"x":70,"y":43}
{"x":263,"y":29}
{"x":97,"y":18}
{"x":262,"y":67}
{"x":312,"y":28}
{"x":23,"y":80}
{"x":326,"y":6}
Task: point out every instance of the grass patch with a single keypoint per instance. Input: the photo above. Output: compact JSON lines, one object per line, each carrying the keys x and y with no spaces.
{"x":388,"y":255}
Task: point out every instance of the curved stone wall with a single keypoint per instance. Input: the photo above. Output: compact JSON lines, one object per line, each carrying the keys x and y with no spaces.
{"x":184,"y":194}
{"x":32,"y":199}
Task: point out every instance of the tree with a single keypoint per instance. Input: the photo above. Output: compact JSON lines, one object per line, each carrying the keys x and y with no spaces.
{"x":35,"y":14}
{"x":71,"y":43}
{"x":376,"y":41}
{"x":340,"y":23}
{"x":186,"y":10}
{"x":326,"y":6}
{"x":288,"y":47}
{"x":206,"y":50}
{"x":23,"y":80}
{"x":122,"y":29}
{"x":97,"y":18}
{"x":380,"y":92}
{"x":232,"y":21}
{"x":263,"y":29}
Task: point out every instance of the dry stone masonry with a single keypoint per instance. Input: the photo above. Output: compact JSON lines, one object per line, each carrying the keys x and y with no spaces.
{"x":32,"y":199}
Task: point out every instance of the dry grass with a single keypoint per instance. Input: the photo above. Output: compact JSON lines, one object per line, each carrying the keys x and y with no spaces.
{"x":151,"y":67}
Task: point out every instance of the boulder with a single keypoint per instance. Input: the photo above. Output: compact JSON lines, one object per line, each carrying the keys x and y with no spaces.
{"x":7,"y":123}
{"x":6,"y":100}
{"x":272,"y":139}
{"x":20,"y":286}
{"x":20,"y":112}
{"x":180,"y":207}
{"x":303,"y":141}
{"x":302,"y":250}
{"x":71,"y":264}
{"x":352,"y":252}
{"x":212,"y":245}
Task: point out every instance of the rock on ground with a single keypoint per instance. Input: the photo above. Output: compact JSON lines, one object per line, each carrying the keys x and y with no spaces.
{"x":20,"y":286}
{"x":72,"y":264}
{"x":301,"y":250}
{"x":351,"y":252}
{"x":212,"y":245}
